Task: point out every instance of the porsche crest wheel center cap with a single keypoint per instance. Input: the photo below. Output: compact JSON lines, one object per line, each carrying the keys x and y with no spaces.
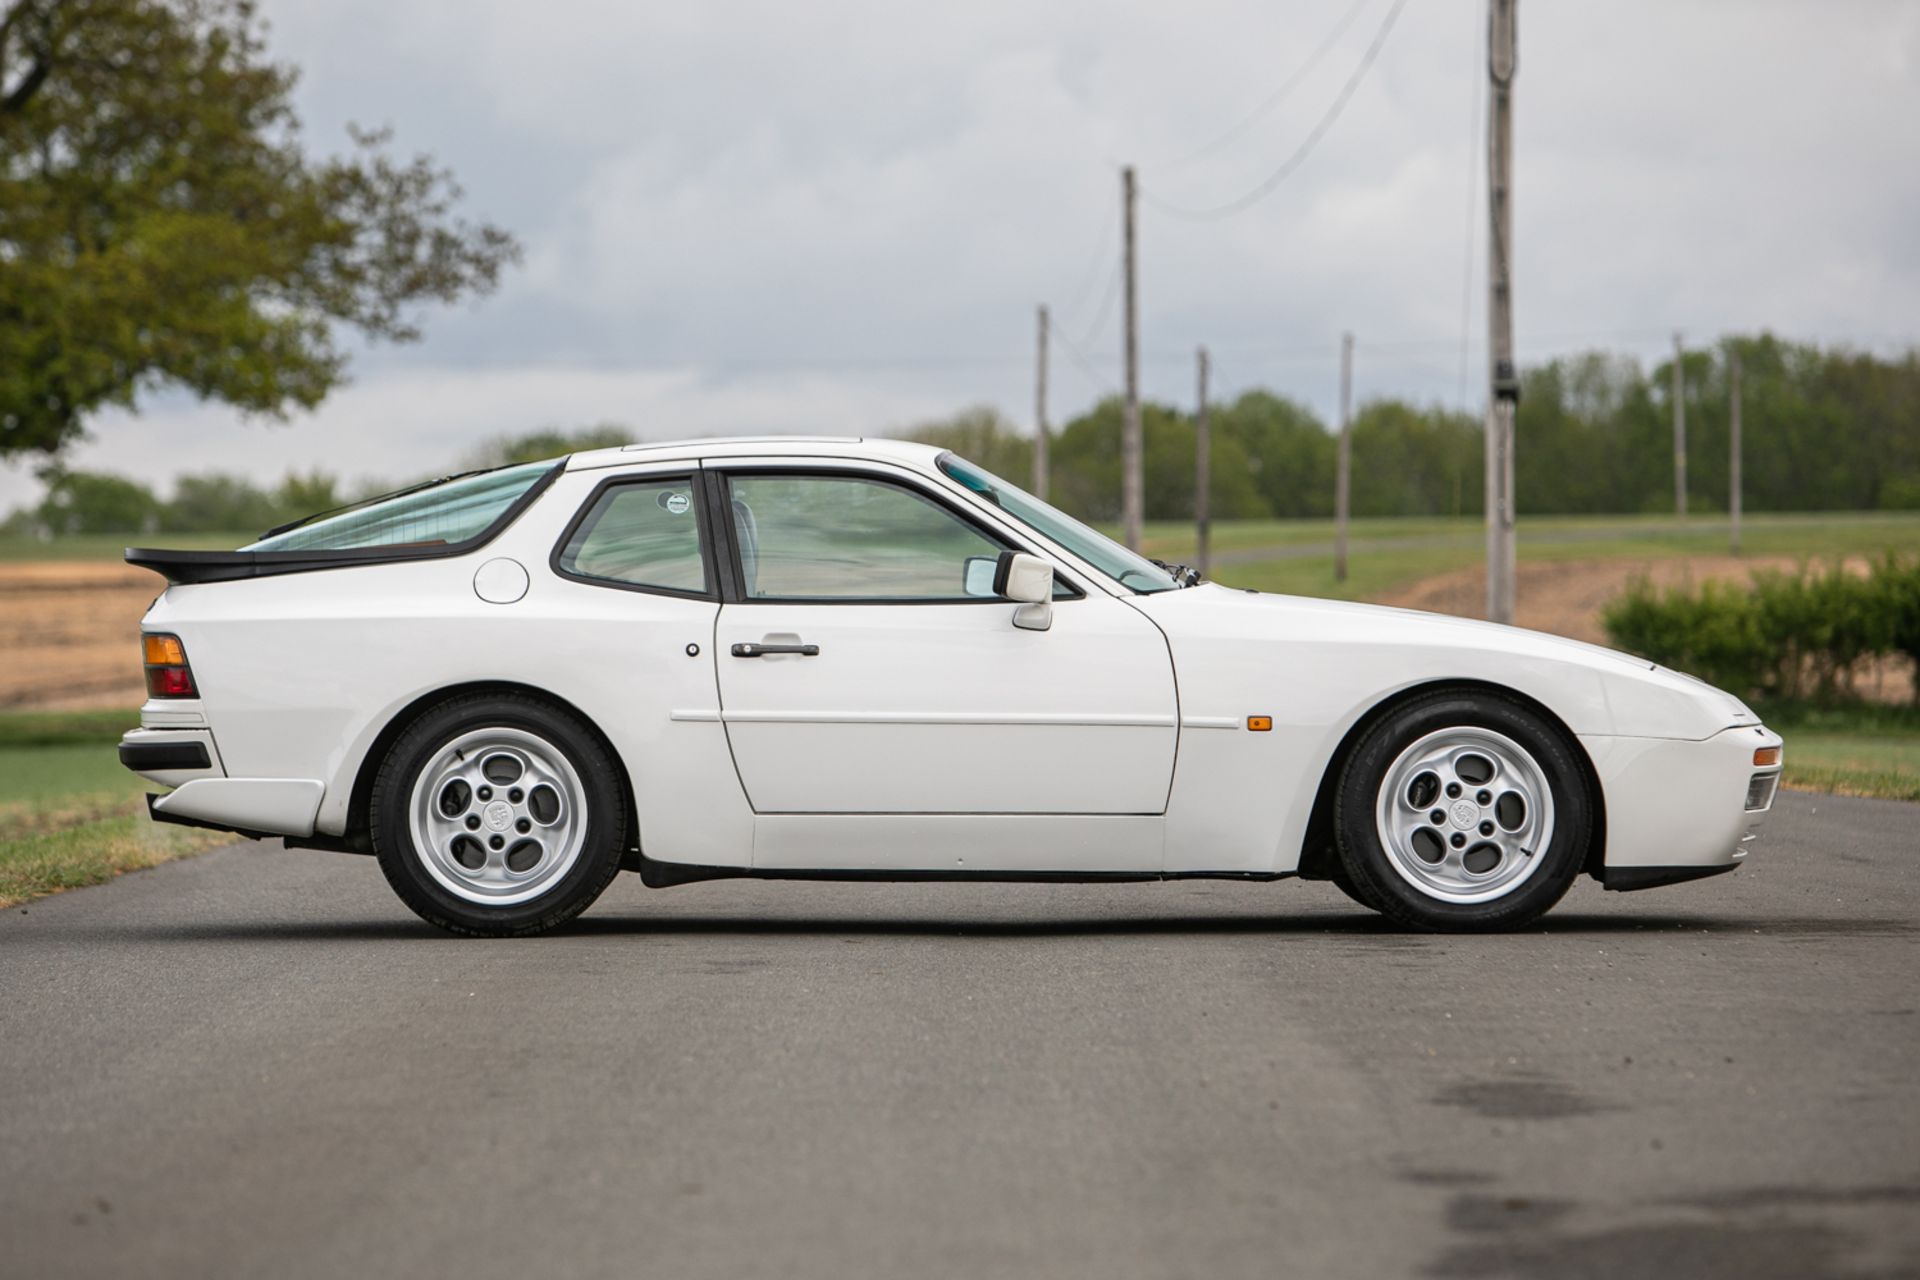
{"x":498,"y":816}
{"x":1464,"y":814}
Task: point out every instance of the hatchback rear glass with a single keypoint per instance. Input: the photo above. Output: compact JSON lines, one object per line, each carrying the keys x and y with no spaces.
{"x":444,"y":513}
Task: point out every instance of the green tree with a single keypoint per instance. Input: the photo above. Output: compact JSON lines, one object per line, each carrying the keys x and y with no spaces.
{"x":96,"y":502}
{"x":984,"y":437}
{"x":1409,"y":461}
{"x":218,"y":502}
{"x":1087,"y":467}
{"x":1289,"y":453}
{"x":547,"y":442}
{"x":305,"y":495}
{"x":161,"y":223}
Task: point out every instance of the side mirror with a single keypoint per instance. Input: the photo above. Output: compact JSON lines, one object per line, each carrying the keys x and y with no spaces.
{"x":1028,"y":582}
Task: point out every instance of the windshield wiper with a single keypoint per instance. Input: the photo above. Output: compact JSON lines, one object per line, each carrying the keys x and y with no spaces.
{"x":1182,"y":575}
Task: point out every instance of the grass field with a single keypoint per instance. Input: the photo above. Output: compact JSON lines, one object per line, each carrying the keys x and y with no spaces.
{"x":1296,"y":556}
{"x":69,"y":814}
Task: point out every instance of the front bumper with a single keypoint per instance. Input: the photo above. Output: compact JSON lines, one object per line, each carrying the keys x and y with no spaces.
{"x":1678,"y":810}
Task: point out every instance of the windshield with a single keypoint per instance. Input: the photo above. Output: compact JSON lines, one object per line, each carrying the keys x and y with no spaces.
{"x":437,"y":514}
{"x":1130,"y":570}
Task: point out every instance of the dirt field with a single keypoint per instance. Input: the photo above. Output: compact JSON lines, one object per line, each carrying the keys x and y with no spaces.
{"x":71,"y":631}
{"x":71,"y":627}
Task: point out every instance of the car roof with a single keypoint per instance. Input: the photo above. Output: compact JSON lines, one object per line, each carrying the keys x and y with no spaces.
{"x":757,"y":447}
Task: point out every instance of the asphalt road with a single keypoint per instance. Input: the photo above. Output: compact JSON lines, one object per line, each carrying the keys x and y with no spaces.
{"x":255,"y":1063}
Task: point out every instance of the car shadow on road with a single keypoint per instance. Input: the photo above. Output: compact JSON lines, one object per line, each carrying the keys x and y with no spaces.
{"x":1369,"y":928}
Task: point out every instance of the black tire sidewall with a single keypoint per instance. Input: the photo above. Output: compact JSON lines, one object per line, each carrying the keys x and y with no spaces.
{"x":388,"y":816}
{"x":1358,"y":840}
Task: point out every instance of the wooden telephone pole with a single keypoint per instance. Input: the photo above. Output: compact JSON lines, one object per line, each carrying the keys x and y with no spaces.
{"x":1679,"y":432}
{"x":1343,"y":464}
{"x":1132,"y":489}
{"x":1202,"y":475}
{"x":1503,"y":64}
{"x":1040,"y":412}
{"x":1733,"y":445}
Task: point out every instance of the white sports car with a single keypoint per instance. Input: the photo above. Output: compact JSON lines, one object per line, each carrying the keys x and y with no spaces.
{"x":865,"y":659}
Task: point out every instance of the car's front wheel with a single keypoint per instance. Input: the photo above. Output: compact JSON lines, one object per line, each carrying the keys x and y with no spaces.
{"x":498,"y":815}
{"x":1463,"y":810}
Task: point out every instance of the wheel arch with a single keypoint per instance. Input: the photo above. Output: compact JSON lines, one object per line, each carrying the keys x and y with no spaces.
{"x":1316,"y":848}
{"x":358,"y":834}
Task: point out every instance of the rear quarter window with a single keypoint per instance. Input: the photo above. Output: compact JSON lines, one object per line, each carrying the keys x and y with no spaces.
{"x":643,"y":534}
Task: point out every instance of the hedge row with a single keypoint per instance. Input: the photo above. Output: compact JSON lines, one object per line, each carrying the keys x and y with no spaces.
{"x":1802,"y":635}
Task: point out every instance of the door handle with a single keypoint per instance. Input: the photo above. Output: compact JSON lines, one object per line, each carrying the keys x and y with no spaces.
{"x":762,"y":650}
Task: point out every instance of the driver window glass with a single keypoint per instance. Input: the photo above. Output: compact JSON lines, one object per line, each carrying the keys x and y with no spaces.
{"x":824,"y":537}
{"x":645,"y":534}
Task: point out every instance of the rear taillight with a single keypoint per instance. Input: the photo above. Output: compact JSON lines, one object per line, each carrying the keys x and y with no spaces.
{"x":168,"y":675}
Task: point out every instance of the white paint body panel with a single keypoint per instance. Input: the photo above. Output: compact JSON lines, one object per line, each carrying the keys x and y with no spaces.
{"x":949,"y":708}
{"x":1673,"y":803}
{"x":280,"y":806}
{"x":935,"y":738}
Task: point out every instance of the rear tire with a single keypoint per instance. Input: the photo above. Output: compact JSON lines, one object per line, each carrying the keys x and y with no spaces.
{"x":498,"y":815}
{"x":1463,"y":810}
{"x":1337,"y":873}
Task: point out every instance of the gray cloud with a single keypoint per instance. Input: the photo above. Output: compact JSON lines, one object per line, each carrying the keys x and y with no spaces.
{"x":839,"y":216}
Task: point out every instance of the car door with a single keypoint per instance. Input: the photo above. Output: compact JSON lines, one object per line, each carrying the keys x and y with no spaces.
{"x":858,"y":675}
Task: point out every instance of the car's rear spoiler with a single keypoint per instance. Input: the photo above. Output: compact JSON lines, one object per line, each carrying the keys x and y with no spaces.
{"x":225,"y":566}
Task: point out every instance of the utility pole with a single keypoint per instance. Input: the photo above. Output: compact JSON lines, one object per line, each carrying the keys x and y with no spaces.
{"x":1343,"y":465}
{"x":1040,"y":412}
{"x":1503,"y":64}
{"x":1733,"y":460}
{"x":1679,"y":433}
{"x":1132,"y":490}
{"x":1202,"y":475}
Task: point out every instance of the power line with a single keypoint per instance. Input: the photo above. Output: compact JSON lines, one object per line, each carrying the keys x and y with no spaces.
{"x":1280,"y":175}
{"x":1100,"y":380}
{"x":1273,"y":99}
{"x":1106,"y":308}
{"x":1090,"y":278}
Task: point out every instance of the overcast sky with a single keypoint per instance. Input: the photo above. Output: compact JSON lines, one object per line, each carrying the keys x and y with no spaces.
{"x":758,"y":217}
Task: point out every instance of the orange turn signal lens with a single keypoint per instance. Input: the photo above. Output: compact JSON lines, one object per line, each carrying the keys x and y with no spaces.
{"x":1766,"y":756}
{"x":163,"y":650}
{"x":1260,"y":724}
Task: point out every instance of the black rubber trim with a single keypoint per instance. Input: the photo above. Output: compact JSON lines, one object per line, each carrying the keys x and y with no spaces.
{"x":152,"y":757}
{"x":661,"y":875}
{"x":229,"y":566}
{"x":178,"y":820}
{"x":1627,"y":879}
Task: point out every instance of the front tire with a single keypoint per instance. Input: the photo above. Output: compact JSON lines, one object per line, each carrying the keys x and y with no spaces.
{"x":1463,"y":810}
{"x":498,"y":815}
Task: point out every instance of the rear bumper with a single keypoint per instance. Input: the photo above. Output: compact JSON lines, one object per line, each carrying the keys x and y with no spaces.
{"x":249,"y":806}
{"x":172,"y":757}
{"x":165,"y":757}
{"x":1678,"y":810}
{"x":188,"y":761}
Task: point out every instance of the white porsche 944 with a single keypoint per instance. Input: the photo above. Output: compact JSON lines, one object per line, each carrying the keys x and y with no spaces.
{"x":867,"y":659}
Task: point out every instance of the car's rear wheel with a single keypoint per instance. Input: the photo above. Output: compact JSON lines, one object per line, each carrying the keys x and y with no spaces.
{"x":1344,"y":882}
{"x":1463,"y":810}
{"x":498,"y":815}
